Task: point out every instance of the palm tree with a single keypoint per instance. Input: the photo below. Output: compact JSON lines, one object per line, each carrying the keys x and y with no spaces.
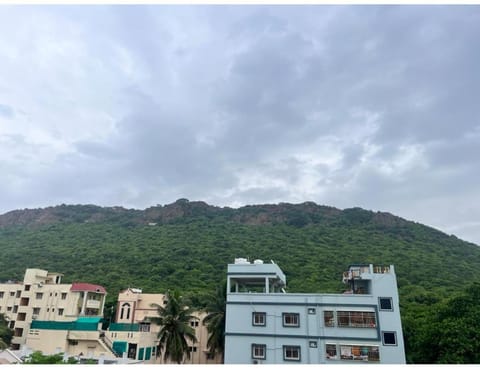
{"x":215,"y":321}
{"x":174,"y":321}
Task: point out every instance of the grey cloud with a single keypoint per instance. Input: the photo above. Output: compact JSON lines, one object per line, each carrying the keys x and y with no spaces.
{"x":319,"y":99}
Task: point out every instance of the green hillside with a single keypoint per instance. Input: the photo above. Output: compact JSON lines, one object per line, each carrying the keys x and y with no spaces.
{"x":187,"y":245}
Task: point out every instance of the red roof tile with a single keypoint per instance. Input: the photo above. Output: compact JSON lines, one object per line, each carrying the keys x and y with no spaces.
{"x":80,"y":286}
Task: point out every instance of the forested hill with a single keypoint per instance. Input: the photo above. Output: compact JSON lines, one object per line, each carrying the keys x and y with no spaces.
{"x":187,"y":245}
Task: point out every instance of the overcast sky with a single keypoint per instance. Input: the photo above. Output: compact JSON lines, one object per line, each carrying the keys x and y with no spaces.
{"x":369,"y":106}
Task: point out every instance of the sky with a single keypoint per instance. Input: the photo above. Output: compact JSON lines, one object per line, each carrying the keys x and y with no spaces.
{"x":347,"y":106}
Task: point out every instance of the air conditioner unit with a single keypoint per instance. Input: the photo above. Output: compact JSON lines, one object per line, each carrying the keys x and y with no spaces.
{"x":34,"y":316}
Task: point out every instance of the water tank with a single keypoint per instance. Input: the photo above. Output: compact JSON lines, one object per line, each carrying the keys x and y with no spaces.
{"x":258,"y":261}
{"x":241,"y":261}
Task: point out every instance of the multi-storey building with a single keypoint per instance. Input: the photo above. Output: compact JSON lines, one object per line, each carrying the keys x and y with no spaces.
{"x":266,"y":325}
{"x":135,"y":336}
{"x":41,"y":297}
{"x":52,"y":317}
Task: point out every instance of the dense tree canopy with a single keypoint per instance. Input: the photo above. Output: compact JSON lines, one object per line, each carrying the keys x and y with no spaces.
{"x":449,"y":331}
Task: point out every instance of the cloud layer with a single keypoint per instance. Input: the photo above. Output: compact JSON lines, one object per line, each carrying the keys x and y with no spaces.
{"x":371,"y":106}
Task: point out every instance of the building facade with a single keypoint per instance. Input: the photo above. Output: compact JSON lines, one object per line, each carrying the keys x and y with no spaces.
{"x":52,"y":317}
{"x":265,"y":325}
{"x":134,"y":335}
{"x":42,"y":297}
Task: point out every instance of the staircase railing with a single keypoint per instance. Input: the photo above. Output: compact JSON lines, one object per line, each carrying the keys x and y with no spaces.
{"x":108,"y":343}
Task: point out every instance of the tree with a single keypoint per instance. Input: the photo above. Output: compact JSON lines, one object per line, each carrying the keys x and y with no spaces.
{"x":38,"y":357}
{"x":174,"y":321}
{"x":451,"y":333}
{"x":6,"y":333}
{"x":215,"y":321}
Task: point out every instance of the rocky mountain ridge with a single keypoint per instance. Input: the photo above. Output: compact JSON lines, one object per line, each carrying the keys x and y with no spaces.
{"x":184,"y":210}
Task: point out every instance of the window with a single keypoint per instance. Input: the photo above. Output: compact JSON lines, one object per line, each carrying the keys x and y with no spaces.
{"x":192,"y":348}
{"x":356,"y":319}
{"x":60,"y":312}
{"x":194,"y":323}
{"x":9,"y":308}
{"x":36,"y":311}
{"x":27,"y":287}
{"x":1,"y":294}
{"x":385,"y":303}
{"x":19,"y":293}
{"x":328,"y":318}
{"x":144,"y":327}
{"x":12,"y":293}
{"x":389,"y":338}
{"x":358,"y":352}
{"x":312,"y":311}
{"x":331,"y":351}
{"x":291,"y":353}
{"x":125,"y":311}
{"x":15,"y":309}
{"x":259,"y":319}
{"x":259,"y":351}
{"x":64,"y":295}
{"x":39,"y":295}
{"x":291,"y":320}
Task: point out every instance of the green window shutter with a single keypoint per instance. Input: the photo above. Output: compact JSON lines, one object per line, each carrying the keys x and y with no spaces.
{"x":140,"y":354}
{"x":119,"y":347}
{"x":148,"y":353}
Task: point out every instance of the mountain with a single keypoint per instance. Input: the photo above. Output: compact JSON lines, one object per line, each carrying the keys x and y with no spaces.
{"x":188,"y":244}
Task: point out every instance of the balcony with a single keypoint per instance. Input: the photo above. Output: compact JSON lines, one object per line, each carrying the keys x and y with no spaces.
{"x":93,"y":304}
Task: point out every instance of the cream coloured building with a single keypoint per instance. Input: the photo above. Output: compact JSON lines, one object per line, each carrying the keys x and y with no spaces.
{"x":134,"y":335}
{"x":41,"y":297}
{"x":52,"y":317}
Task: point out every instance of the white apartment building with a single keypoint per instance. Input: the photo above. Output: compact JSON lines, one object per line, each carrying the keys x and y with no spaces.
{"x":265,"y":325}
{"x":42,"y":297}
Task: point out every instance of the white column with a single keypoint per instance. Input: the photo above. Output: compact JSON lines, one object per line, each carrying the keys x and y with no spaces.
{"x":85,"y":294}
{"x":102,"y":305}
